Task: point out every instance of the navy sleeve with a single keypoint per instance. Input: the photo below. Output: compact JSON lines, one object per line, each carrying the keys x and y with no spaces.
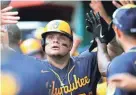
{"x":119,"y":66}
{"x":26,"y":72}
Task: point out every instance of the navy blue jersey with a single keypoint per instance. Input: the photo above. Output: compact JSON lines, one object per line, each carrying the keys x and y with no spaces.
{"x":125,"y":63}
{"x":80,"y":76}
{"x":26,"y":72}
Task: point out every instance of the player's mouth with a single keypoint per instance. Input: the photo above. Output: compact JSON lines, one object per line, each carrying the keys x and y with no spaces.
{"x":55,"y":47}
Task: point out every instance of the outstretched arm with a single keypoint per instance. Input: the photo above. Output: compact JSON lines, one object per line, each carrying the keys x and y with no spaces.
{"x":106,"y":53}
{"x":105,"y":42}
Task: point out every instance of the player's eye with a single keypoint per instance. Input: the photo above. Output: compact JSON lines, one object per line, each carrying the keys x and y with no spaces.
{"x":50,"y":36}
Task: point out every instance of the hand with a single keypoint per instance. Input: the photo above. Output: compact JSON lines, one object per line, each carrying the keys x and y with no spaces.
{"x":99,"y":28}
{"x":125,"y":81}
{"x":97,"y":6}
{"x":9,"y":17}
{"x":121,"y":3}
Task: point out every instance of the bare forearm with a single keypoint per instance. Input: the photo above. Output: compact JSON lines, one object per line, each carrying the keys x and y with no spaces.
{"x":102,"y":57}
{"x":103,"y":62}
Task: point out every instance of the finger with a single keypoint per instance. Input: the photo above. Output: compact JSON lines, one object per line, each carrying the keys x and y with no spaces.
{"x":117,"y":77}
{"x":116,"y":84}
{"x":90,"y":20}
{"x":127,"y":1}
{"x":116,"y":4}
{"x":98,"y":17}
{"x":11,"y":17}
{"x":9,"y":13}
{"x":89,"y":26}
{"x":122,"y":2}
{"x":7,"y":9}
{"x":9,"y":22}
{"x":93,"y":17}
{"x":88,"y":17}
{"x":93,"y":1}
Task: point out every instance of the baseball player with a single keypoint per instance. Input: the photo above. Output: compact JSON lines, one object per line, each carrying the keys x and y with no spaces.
{"x":21,"y":75}
{"x":124,"y":21}
{"x":68,"y":75}
{"x":32,"y":47}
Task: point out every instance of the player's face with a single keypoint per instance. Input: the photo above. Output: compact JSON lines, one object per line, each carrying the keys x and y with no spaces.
{"x":57,"y":44}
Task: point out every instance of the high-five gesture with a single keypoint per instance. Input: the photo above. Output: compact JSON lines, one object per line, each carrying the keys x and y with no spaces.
{"x":8,"y":17}
{"x":99,"y":28}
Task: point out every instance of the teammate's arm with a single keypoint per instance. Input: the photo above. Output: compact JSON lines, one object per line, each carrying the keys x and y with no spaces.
{"x":124,"y":80}
{"x":103,"y":57}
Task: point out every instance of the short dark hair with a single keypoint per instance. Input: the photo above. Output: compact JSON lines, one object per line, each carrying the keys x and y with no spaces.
{"x":14,"y":34}
{"x":5,"y":3}
{"x":132,"y":35}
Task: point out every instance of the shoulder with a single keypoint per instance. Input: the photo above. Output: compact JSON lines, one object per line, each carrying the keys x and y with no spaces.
{"x":14,"y":59}
{"x":87,"y":60}
{"x":88,"y":55}
{"x":124,"y":59}
{"x":122,"y":63}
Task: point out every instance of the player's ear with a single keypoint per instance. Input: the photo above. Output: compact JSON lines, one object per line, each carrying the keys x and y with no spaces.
{"x":117,"y":32}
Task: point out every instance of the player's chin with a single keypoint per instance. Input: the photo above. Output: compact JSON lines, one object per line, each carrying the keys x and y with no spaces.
{"x":57,"y":55}
{"x":61,"y":54}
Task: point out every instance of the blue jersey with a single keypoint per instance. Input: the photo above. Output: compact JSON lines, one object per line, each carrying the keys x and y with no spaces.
{"x":125,"y":63}
{"x":79,"y":77}
{"x":26,"y":72}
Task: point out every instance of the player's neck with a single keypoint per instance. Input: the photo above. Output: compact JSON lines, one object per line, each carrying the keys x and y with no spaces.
{"x":128,"y":45}
{"x":59,"y":63}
